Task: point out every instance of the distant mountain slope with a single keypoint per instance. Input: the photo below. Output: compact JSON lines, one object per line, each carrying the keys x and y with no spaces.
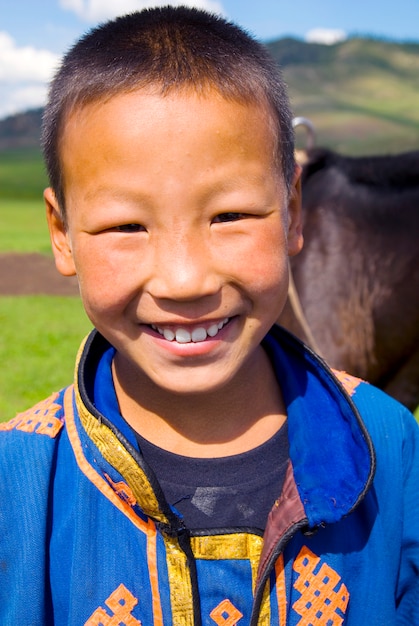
{"x":21,"y":131}
{"x":362,"y":95}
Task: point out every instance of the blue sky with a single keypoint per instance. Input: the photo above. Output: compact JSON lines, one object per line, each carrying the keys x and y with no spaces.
{"x":34,"y":35}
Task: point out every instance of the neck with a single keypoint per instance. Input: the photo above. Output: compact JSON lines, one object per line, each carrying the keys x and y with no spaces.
{"x":241,"y":415}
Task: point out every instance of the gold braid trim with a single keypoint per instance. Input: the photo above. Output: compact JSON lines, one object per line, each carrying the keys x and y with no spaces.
{"x":181,"y":598}
{"x":237,"y":546}
{"x":265,"y":607}
{"x":118,"y":456}
{"x":229,"y":546}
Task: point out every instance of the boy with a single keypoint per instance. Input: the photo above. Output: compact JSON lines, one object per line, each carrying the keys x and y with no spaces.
{"x":206,"y":467}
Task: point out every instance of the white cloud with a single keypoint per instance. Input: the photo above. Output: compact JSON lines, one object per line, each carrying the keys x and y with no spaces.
{"x":327,"y":36}
{"x":30,"y":95}
{"x":24,"y":74}
{"x":26,"y":71}
{"x":21,"y":97}
{"x":25,"y":63}
{"x":99,"y":10}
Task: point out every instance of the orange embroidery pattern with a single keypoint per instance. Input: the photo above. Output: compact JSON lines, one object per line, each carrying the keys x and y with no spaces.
{"x":350,"y":383}
{"x":226,"y":614}
{"x":123,"y":491}
{"x":41,"y":419}
{"x":280,"y":591}
{"x":120,"y":602}
{"x":320,"y":601}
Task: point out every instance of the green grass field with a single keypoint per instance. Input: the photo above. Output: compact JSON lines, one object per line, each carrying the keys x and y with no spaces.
{"x":38,"y":345}
{"x":22,"y":174}
{"x":40,"y":335}
{"x":23,"y":226}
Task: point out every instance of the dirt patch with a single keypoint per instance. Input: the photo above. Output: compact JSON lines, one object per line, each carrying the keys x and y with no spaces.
{"x":27,"y":274}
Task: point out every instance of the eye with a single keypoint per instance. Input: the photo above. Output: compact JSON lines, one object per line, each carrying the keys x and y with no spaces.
{"x":228,"y":217}
{"x":129,"y":228}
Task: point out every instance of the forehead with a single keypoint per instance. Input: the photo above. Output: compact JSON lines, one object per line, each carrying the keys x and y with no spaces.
{"x":146,"y":140}
{"x":138,"y":102}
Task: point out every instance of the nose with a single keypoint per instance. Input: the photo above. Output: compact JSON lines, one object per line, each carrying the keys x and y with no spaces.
{"x":183,"y":269}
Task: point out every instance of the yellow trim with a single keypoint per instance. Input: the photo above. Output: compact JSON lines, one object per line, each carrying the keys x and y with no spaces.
{"x":181,"y":598}
{"x":240,"y":546}
{"x":148,"y":528}
{"x":119,"y":458}
{"x":247,"y":547}
{"x":229,"y":546}
{"x":265,"y":607}
{"x":115,"y":454}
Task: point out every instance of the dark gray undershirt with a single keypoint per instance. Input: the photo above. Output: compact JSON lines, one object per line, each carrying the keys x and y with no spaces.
{"x":228,"y":492}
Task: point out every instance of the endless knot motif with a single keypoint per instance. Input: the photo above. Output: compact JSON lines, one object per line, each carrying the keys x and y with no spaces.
{"x":320,"y":602}
{"x":121,"y":602}
{"x":40,"y":419}
{"x":226,"y":614}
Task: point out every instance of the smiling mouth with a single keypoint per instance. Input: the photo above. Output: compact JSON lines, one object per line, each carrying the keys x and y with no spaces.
{"x":198,"y":334}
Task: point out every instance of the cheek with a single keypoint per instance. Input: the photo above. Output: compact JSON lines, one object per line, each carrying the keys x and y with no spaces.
{"x":267,"y":272}
{"x":104,"y":288}
{"x":270,"y":279}
{"x":269,"y":256}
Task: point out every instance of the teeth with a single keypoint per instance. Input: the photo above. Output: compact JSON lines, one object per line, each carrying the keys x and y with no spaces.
{"x":213,"y":330}
{"x":181,"y":335}
{"x":199,"y":334}
{"x":167,"y":334}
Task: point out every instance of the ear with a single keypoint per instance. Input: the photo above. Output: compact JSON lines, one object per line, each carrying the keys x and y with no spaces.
{"x":60,"y":240}
{"x":295,"y":217}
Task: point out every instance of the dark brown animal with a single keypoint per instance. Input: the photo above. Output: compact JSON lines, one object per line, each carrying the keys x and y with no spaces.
{"x":358,"y":274}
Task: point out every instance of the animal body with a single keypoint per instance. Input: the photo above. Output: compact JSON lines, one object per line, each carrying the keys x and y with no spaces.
{"x":357,"y":277}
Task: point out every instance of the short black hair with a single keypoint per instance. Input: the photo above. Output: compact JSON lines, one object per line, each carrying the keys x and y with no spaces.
{"x":171,"y":48}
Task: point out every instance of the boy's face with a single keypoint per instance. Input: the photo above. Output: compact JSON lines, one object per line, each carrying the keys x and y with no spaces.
{"x":178,"y":231}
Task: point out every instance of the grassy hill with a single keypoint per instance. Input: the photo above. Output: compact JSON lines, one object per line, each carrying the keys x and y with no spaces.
{"x":361,"y":94}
